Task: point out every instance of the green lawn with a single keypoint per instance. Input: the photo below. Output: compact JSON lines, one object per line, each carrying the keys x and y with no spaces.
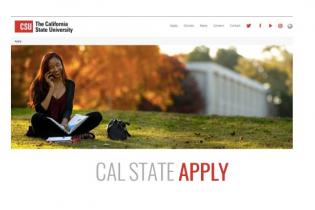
{"x":170,"y":130}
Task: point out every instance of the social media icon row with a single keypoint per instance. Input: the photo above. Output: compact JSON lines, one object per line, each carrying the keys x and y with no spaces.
{"x":269,"y":25}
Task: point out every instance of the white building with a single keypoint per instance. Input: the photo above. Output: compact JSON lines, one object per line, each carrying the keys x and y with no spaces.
{"x":226,"y":92}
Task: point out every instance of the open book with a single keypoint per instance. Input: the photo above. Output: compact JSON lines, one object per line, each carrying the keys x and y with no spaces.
{"x":73,"y":124}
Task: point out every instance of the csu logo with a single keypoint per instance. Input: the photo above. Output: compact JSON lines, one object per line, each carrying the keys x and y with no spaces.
{"x":23,"y":26}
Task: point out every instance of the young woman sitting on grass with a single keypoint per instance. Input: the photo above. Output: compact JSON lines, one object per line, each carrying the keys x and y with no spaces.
{"x":51,"y":94}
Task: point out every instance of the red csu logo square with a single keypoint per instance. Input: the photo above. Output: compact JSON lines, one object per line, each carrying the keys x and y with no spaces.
{"x":23,"y":26}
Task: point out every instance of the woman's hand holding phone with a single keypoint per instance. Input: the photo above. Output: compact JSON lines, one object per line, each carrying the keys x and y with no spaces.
{"x":49,"y":77}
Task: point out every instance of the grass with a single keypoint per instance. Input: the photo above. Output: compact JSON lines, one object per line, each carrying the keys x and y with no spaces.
{"x":169,"y":130}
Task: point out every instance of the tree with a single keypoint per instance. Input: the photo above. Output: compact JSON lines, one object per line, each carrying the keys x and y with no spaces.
{"x":279,"y":57}
{"x":185,"y":98}
{"x":275,"y":70}
{"x":106,"y":77}
{"x":200,"y":53}
{"x":227,"y":57}
{"x":190,"y":101}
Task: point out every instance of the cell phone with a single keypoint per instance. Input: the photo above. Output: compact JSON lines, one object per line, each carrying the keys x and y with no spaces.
{"x":52,"y":76}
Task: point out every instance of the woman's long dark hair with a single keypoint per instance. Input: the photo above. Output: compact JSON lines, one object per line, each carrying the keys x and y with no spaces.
{"x":39,"y":87}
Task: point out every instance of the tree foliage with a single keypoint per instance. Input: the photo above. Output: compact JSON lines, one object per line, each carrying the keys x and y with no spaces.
{"x":200,"y":53}
{"x":106,"y":77}
{"x":227,"y":57}
{"x":275,"y":71}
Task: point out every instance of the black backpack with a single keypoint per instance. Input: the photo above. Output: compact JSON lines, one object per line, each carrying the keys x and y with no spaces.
{"x":117,"y":130}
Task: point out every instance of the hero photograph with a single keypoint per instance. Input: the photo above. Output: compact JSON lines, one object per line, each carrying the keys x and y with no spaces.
{"x":151,"y":97}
